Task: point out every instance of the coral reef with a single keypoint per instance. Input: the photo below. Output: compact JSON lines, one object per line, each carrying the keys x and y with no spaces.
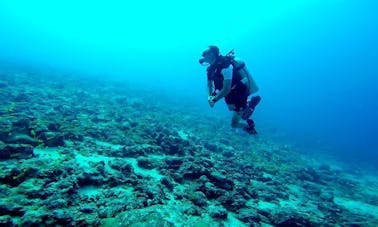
{"x":76,"y":151}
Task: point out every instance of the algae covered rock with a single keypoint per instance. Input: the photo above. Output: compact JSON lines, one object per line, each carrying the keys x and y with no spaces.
{"x":15,"y":176}
{"x":173,"y":163}
{"x":22,"y":139}
{"x":249,"y":215}
{"x":147,"y":163}
{"x":52,"y":139}
{"x":138,"y":218}
{"x":218,"y":212}
{"x":198,"y":198}
{"x":5,"y":128}
{"x":221,"y":181}
{"x":211,"y":191}
{"x":16,"y":151}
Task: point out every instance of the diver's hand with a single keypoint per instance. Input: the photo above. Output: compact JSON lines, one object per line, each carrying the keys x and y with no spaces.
{"x":211,"y":101}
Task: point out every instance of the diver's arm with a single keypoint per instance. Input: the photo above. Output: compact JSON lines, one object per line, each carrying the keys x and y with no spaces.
{"x":227,"y":82}
{"x":210,"y":97}
{"x":210,"y":87}
{"x":225,"y":90}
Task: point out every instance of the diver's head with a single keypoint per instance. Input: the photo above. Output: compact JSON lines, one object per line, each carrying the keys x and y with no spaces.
{"x":210,"y":55}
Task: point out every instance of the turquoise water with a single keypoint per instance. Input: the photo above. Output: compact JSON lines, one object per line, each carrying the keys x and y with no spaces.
{"x":315,"y":61}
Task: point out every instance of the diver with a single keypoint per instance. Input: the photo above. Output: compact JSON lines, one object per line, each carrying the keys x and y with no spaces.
{"x":228,"y":77}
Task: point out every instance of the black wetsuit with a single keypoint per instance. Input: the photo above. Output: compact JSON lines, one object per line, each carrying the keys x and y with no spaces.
{"x":239,"y":92}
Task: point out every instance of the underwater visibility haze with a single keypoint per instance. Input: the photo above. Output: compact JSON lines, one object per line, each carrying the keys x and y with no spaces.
{"x":315,"y":62}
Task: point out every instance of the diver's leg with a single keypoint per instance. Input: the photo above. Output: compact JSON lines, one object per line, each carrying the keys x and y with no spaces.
{"x":255,"y":100}
{"x":250,"y":107}
{"x":237,"y":102}
{"x":249,"y":126}
{"x":235,"y":122}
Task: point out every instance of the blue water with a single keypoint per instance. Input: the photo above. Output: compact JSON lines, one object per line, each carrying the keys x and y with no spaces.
{"x":314,"y":61}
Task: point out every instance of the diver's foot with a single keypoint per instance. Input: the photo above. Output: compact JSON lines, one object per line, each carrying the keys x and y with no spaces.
{"x":250,"y":129}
